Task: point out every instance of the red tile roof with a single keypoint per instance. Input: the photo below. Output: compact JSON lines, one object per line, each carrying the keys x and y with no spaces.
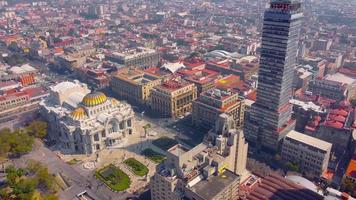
{"x":275,"y":186}
{"x":231,"y":82}
{"x":334,"y":124}
{"x":252,"y":96}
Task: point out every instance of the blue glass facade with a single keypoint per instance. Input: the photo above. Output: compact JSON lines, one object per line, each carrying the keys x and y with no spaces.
{"x":269,"y":119}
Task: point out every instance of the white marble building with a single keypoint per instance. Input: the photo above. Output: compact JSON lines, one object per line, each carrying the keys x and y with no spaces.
{"x":82,"y":122}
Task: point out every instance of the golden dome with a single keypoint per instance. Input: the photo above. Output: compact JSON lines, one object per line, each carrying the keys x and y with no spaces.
{"x":78,"y":113}
{"x":94,"y":99}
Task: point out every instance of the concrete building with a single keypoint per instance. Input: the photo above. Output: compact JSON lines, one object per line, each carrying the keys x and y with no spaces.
{"x":211,"y":170}
{"x":74,"y":57}
{"x":269,"y":118}
{"x":210,"y":104}
{"x":318,"y":65}
{"x":173,"y":98}
{"x":134,"y":85}
{"x":329,"y":89}
{"x":81,"y":122}
{"x":302,"y":78}
{"x":139,"y":57}
{"x":311,"y":154}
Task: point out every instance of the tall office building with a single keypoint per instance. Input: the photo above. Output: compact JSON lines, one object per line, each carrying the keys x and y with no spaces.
{"x":269,"y":119}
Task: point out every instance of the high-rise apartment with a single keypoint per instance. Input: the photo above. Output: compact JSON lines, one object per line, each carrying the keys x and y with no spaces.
{"x":269,"y":118}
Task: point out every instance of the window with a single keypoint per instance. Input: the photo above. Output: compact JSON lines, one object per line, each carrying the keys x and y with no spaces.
{"x":96,"y":137}
{"x":121,"y":125}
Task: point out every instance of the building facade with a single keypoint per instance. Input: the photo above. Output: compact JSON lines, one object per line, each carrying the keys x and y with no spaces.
{"x":211,"y":170}
{"x":329,"y":89}
{"x":269,"y":119}
{"x":134,"y":85}
{"x":311,"y":154}
{"x":81,"y":122}
{"x":139,"y":57}
{"x":173,"y":98}
{"x":210,"y":104}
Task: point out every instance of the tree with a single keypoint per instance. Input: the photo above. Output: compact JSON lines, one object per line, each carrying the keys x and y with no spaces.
{"x":292,"y":166}
{"x":17,"y":142}
{"x":44,"y":178}
{"x":50,"y":197}
{"x":4,"y":145}
{"x":37,"y":129}
{"x":37,"y":186}
{"x":353,"y":102}
{"x":20,"y":142}
{"x":146,"y":127}
{"x":348,"y":186}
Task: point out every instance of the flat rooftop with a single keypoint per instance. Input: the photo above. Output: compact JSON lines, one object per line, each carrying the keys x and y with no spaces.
{"x":178,"y":150}
{"x":173,"y":84}
{"x":135,"y":52}
{"x":211,"y":187}
{"x":341,"y":78}
{"x":311,"y":141}
{"x":218,"y":94}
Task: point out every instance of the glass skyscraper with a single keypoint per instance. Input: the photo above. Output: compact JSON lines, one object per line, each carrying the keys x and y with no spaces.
{"x":269,"y":118}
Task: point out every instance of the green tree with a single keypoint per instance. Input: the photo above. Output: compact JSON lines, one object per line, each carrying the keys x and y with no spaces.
{"x":4,"y":145}
{"x":50,"y":197}
{"x":347,"y":185}
{"x":20,"y":142}
{"x":353,"y":102}
{"x":37,"y":129}
{"x":292,"y":166}
{"x":25,"y":187}
{"x":39,"y":185}
{"x":43,"y":176}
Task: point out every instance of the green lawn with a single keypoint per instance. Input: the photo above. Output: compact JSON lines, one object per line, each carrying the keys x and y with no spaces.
{"x":152,"y":155}
{"x":164,"y":143}
{"x":137,"y":168}
{"x":114,"y":177}
{"x":73,"y":162}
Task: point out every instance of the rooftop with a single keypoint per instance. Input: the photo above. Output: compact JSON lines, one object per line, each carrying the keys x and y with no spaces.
{"x":173,"y":84}
{"x":311,"y":141}
{"x":275,"y":186}
{"x":132,"y":53}
{"x":136,"y":76}
{"x":341,"y":78}
{"x":351,"y":169}
{"x":231,"y":82}
{"x":178,"y":150}
{"x":209,"y":188}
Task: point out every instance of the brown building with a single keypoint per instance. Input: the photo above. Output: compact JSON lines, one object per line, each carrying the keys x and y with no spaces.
{"x":210,"y":104}
{"x":138,"y":57}
{"x":203,"y":79}
{"x":134,"y":85}
{"x":173,"y":98}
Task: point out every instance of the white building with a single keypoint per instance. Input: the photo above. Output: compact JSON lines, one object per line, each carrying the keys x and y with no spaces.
{"x":81,"y":122}
{"x":311,"y":154}
{"x":211,"y":170}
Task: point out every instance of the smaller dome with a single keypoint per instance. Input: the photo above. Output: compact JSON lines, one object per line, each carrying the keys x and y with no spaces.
{"x":94,"y":99}
{"x":78,"y":113}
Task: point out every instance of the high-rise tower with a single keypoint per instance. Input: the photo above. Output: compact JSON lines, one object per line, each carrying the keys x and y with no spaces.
{"x":269,"y":119}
